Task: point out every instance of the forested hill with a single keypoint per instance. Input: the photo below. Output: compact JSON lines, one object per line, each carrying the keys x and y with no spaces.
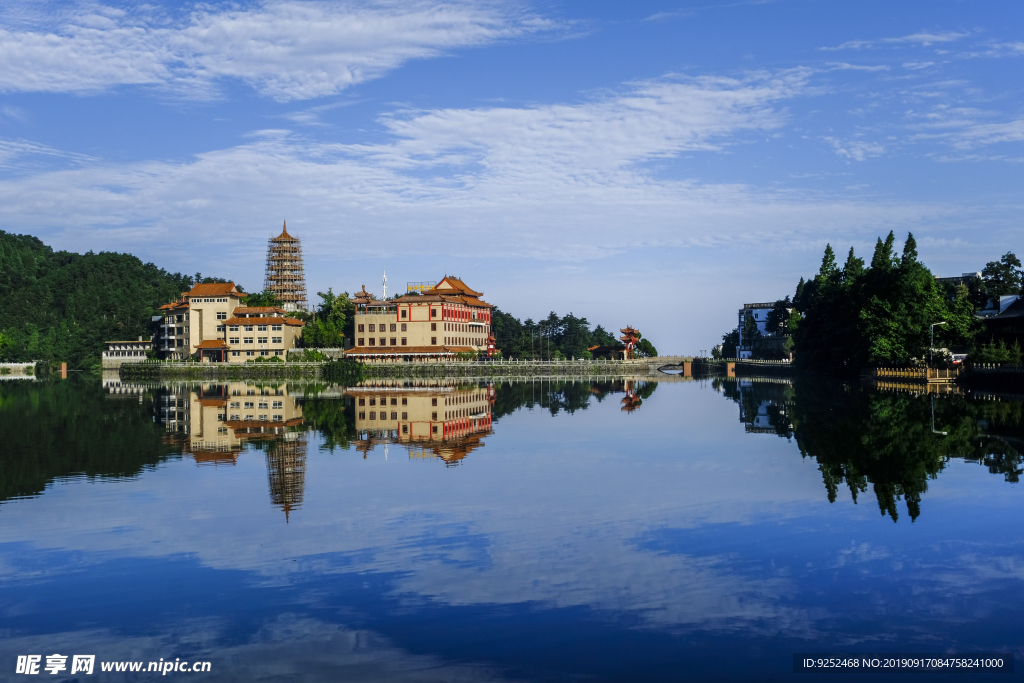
{"x":62,"y":306}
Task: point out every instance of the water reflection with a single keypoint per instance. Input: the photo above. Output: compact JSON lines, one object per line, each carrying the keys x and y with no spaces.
{"x":894,"y":439}
{"x":574,"y":540}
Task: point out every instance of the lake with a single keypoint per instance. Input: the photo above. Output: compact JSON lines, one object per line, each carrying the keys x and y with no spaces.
{"x":611,"y":531}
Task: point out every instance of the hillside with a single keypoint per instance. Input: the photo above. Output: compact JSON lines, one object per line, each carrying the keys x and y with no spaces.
{"x":62,"y":306}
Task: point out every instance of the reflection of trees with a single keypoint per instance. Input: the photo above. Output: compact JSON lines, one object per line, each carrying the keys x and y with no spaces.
{"x":333,"y":417}
{"x":567,"y":396}
{"x":61,"y":429}
{"x":861,"y":437}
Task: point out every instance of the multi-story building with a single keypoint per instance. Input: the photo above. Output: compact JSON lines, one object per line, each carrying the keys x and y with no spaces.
{"x":443,"y":321}
{"x":212,"y":323}
{"x":759,"y":312}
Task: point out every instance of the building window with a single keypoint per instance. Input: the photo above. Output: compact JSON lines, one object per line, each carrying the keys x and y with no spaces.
{"x":394,"y":415}
{"x":278,"y":418}
{"x":403,"y":341}
{"x":435,"y":429}
{"x":394,"y":401}
{"x":250,"y":353}
{"x":433,"y":327}
{"x":233,"y":340}
{"x":247,"y":340}
{"x":362,"y":401}
{"x":233,"y":328}
{"x":275,"y":328}
{"x":405,"y":401}
{"x":373,"y":328}
{"x":235,"y":404}
{"x":360,"y":329}
{"x":433,"y":341}
{"x":250,"y":404}
{"x":433,"y":416}
{"x":261,"y":340}
{"x":383,"y":341}
{"x":433,"y":314}
{"x":236,"y":353}
{"x":373,"y":401}
{"x":372,"y":341}
{"x":275,"y":340}
{"x":220,"y":328}
{"x":278,"y":352}
{"x":249,"y":418}
{"x":221,"y":315}
{"x":403,"y":312}
{"x":362,"y":416}
{"x":373,"y":415}
{"x":234,"y":418}
{"x":264,"y":353}
{"x":394,"y":341}
{"x":433,"y":401}
{"x":394,"y":327}
{"x":261,"y":328}
{"x":263,"y":405}
{"x":359,"y":342}
{"x":248,"y":328}
{"x":405,"y":428}
{"x":403,"y":327}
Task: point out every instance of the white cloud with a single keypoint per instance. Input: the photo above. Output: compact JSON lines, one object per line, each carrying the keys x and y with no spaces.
{"x":562,"y":182}
{"x":857,"y":150}
{"x":922,"y":38}
{"x":966,"y":128}
{"x":844,"y":66}
{"x":286,"y":50}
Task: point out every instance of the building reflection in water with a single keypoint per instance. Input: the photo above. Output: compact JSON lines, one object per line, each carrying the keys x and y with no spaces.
{"x":215,"y":423}
{"x":443,"y":421}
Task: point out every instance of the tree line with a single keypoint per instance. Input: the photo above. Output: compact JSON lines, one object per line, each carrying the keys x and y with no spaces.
{"x":884,"y":312}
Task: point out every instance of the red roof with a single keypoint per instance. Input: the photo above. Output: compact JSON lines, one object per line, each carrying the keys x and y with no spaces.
{"x":213,"y":344}
{"x":214,"y":289}
{"x":263,"y":321}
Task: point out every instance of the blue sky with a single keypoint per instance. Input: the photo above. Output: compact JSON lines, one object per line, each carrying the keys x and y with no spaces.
{"x":649,"y":163}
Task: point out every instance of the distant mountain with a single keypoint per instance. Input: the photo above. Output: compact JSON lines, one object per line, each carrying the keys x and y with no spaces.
{"x":62,"y":306}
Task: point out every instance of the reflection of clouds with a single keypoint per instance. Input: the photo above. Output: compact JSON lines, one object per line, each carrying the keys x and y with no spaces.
{"x":549,"y":515}
{"x":287,"y":648}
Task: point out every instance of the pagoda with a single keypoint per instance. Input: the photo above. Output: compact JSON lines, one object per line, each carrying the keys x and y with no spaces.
{"x":285,"y":276}
{"x":629,"y":337}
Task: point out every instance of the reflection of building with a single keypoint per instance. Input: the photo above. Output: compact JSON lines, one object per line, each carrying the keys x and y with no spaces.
{"x":765,"y":407}
{"x":446,"y":422}
{"x":443,"y":321}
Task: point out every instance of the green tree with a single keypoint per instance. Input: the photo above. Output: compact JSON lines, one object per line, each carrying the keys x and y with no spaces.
{"x":265,"y":299}
{"x":1003,"y":276}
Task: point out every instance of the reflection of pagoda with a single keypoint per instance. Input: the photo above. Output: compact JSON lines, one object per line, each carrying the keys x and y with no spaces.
{"x":629,"y":337}
{"x":631,"y":401}
{"x":286,"y":472}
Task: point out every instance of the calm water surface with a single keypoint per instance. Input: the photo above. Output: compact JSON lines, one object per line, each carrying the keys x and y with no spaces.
{"x":624,"y":531}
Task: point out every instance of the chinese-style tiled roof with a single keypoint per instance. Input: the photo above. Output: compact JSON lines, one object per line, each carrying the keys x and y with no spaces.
{"x":249,"y":310}
{"x":213,"y":344}
{"x":450,"y":282}
{"x":213,"y":289}
{"x":284,"y":236}
{"x":277,"y":320}
{"x":408,"y":350}
{"x":174,"y":305}
{"x":433,"y":297}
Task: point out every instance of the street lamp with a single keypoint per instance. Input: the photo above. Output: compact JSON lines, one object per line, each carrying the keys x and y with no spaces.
{"x":931,"y":345}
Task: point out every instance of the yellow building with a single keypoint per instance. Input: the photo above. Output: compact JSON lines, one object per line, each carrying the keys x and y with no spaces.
{"x":441,"y":322}
{"x":447,"y":422}
{"x":212,"y":323}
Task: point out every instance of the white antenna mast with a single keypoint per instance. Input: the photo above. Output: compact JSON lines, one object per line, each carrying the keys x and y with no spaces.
{"x":384,"y":285}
